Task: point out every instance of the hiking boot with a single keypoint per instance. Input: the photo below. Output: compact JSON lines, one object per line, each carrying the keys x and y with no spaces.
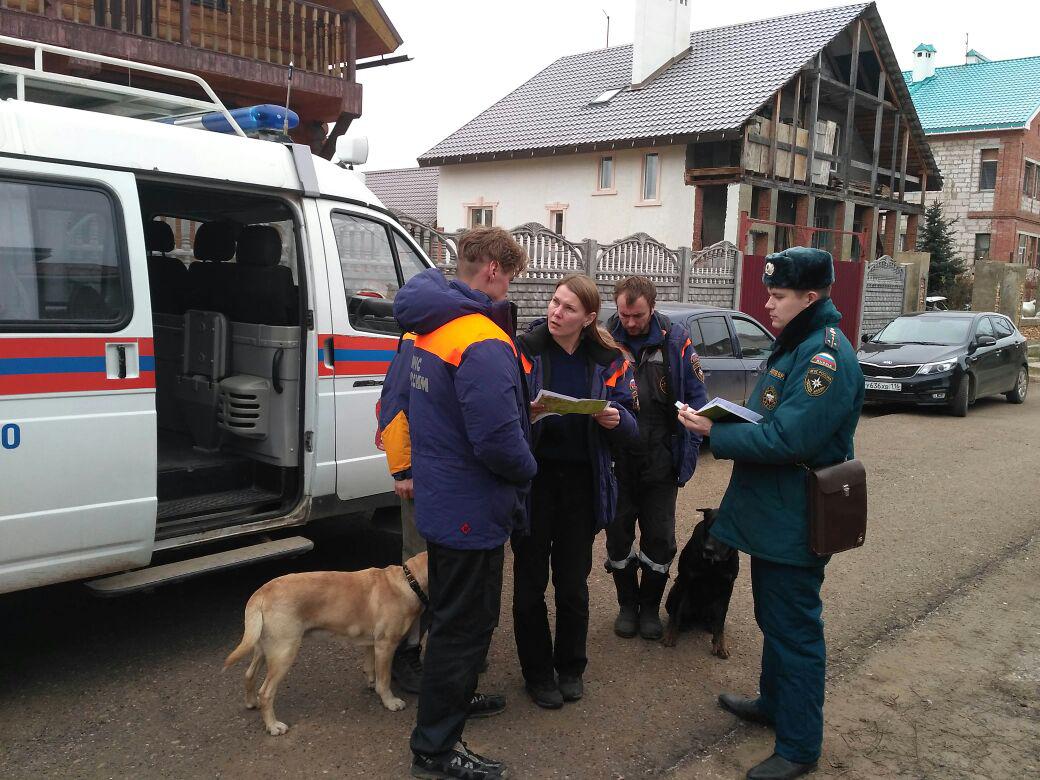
{"x":626,"y":623}
{"x":571,"y":687}
{"x":545,"y":694}
{"x":484,"y":705}
{"x":406,"y":668}
{"x":651,"y":589}
{"x":459,"y":762}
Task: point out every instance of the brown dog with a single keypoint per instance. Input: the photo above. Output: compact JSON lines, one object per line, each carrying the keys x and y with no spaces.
{"x":373,"y":608}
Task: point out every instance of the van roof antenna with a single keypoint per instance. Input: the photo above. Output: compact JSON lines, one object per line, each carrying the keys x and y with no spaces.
{"x":288,"y":92}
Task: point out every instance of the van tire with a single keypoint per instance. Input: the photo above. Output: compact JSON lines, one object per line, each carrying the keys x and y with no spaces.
{"x":1017,"y":394}
{"x":959,"y":402}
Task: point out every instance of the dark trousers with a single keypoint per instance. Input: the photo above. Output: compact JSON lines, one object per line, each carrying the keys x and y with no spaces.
{"x":652,"y":504}
{"x":794,"y":657}
{"x":465,"y":598}
{"x":562,"y":530}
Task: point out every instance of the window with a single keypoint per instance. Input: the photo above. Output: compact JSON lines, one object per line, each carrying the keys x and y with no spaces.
{"x":411,"y":263}
{"x":1003,"y":327}
{"x":481,"y":216}
{"x":982,"y":241}
{"x":365,"y":257}
{"x":754,"y":342}
{"x":711,"y":338}
{"x":556,"y":221}
{"x":1031,"y":180}
{"x":651,"y":177}
{"x":605,"y":96}
{"x":606,"y":174}
{"x":1028,"y":249}
{"x":986,"y":328}
{"x":60,"y":259}
{"x":988,"y":169}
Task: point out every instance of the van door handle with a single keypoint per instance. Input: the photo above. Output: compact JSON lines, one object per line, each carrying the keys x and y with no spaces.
{"x":369,"y":383}
{"x":121,"y":361}
{"x":330,"y":352}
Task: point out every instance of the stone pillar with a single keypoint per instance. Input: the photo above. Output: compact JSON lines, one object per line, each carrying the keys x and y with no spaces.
{"x":698,"y":219}
{"x":916,"y":264}
{"x":1012,"y":285}
{"x":988,"y":276}
{"x":913,"y":221}
{"x":892,"y":220}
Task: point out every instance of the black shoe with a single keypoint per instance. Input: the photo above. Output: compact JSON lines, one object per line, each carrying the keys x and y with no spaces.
{"x":406,"y":668}
{"x":779,"y":768}
{"x":627,"y":621}
{"x":484,"y":705}
{"x":571,"y":687}
{"x":744,"y":708}
{"x":459,"y":762}
{"x":627,"y":584}
{"x":546,"y":695}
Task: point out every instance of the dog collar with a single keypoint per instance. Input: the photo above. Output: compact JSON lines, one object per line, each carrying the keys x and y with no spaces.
{"x":414,"y":585}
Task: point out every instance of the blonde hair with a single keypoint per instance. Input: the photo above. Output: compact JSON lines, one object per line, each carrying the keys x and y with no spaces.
{"x":588,"y":294}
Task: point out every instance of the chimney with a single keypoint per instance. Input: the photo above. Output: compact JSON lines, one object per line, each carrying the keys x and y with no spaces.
{"x":974,"y":58}
{"x":924,"y":62}
{"x":662,"y":37}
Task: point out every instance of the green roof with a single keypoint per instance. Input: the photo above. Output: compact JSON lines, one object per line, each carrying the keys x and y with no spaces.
{"x":995,"y":95}
{"x":925,"y":47}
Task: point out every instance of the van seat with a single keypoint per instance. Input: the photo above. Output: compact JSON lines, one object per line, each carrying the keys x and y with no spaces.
{"x":211,"y":283}
{"x":266,"y":294}
{"x":167,"y":276}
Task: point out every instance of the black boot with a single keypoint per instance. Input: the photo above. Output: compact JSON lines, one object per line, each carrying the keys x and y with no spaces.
{"x":627,"y":584}
{"x":406,"y":668}
{"x":651,"y":589}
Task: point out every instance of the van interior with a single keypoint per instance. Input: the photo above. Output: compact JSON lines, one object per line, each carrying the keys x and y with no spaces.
{"x":225,"y":285}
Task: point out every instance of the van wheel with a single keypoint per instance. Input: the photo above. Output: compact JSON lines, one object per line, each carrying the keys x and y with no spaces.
{"x":1017,"y":394}
{"x":959,"y":402}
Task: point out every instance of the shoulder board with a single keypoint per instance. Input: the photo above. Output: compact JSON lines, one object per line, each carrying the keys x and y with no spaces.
{"x":831,"y":338}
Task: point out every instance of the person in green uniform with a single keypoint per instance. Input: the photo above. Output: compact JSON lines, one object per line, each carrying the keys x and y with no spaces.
{"x":809,"y":396}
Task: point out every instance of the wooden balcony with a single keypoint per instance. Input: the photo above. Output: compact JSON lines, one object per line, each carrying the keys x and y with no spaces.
{"x":241,"y":47}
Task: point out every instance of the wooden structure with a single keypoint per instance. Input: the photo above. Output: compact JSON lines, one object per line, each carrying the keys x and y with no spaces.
{"x":241,"y":47}
{"x":835,"y":158}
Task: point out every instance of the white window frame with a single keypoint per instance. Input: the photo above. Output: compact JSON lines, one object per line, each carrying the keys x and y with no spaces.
{"x":643,"y":200}
{"x":996,"y":169}
{"x":561,"y":209}
{"x":483,"y":205}
{"x":612,"y":189}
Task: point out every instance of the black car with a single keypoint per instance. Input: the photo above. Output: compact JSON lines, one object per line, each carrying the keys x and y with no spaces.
{"x":945,"y":358}
{"x":732,"y":345}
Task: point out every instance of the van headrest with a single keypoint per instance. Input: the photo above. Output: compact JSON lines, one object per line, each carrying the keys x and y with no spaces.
{"x":215,"y":241}
{"x":158,"y":237}
{"x":259,"y":245}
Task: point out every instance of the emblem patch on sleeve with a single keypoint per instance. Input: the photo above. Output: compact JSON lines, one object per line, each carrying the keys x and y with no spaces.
{"x":826,"y":360}
{"x":695,"y":363}
{"x":817,"y":382}
{"x":770,"y":398}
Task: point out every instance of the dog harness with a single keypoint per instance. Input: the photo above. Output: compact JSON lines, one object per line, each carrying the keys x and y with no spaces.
{"x":414,"y":585}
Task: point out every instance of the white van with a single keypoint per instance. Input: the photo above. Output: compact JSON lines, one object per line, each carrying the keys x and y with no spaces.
{"x":158,"y":400}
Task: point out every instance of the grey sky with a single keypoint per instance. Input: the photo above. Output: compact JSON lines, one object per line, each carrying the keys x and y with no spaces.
{"x":469,"y":54}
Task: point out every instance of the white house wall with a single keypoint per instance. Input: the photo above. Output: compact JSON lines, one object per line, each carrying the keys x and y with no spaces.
{"x":523,"y":191}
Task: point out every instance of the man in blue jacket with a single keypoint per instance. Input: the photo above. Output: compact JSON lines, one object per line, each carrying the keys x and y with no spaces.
{"x":472,"y":466}
{"x":809,"y":398}
{"x":667,"y":369}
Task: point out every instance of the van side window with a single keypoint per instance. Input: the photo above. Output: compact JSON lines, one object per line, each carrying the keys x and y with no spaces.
{"x":411,"y":264}
{"x":365,"y":256}
{"x":61,"y":263}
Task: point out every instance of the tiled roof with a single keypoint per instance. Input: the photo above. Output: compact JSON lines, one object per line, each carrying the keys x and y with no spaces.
{"x":728,"y":74}
{"x":991,"y":95}
{"x":412,"y":191}
{"x":925,"y":47}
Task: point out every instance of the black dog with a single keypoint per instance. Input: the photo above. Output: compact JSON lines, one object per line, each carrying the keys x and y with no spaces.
{"x":703,"y":587}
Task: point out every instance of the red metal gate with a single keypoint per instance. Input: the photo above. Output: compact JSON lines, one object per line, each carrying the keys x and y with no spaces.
{"x":847,"y":294}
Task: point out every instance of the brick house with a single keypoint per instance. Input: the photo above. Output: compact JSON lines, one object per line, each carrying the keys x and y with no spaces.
{"x":983,"y":124}
{"x":767,"y":134}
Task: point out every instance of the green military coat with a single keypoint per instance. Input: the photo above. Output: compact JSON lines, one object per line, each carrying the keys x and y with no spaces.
{"x":809,"y":395}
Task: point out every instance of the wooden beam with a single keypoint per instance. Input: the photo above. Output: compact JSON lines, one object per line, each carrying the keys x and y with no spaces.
{"x":185,"y":23}
{"x":850,"y":112}
{"x":797,"y":117}
{"x":866,"y":97}
{"x":862,"y":166}
{"x":888,"y":81}
{"x":776,"y":133}
{"x":351,"y":47}
{"x":859,"y":200}
{"x":814,"y":113}
{"x":879,"y":114}
{"x":896,"y":121}
{"x":783,"y":146}
{"x":924,"y":186}
{"x":902,"y":164}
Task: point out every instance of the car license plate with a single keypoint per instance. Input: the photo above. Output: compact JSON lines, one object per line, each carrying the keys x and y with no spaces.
{"x":892,"y":386}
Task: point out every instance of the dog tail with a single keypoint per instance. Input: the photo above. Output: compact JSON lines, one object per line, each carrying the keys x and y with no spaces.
{"x":254,"y":626}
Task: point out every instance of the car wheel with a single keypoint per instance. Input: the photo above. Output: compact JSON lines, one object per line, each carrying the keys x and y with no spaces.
{"x":1017,"y":394}
{"x":959,"y":402}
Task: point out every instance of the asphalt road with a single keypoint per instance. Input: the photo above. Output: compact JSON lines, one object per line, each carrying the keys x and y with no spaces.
{"x":132,"y":687}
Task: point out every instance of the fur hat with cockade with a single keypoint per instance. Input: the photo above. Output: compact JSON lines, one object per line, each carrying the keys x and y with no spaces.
{"x":799,"y":268}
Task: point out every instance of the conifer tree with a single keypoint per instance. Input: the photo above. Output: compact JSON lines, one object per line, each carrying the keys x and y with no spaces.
{"x":936,"y":239}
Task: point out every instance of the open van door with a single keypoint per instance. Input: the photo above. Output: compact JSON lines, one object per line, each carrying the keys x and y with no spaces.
{"x":77,"y":376}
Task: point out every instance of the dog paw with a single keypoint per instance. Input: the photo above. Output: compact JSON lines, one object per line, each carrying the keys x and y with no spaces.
{"x":393,"y":704}
{"x":277,"y":728}
{"x":720,"y":651}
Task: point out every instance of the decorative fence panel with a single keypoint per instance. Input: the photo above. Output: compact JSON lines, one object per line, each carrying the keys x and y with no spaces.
{"x":640,"y":255}
{"x":884,"y":294}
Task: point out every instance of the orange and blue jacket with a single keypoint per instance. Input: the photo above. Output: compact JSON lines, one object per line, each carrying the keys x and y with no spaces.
{"x":393,"y":411}
{"x":610,"y":378}
{"x":466,"y":412}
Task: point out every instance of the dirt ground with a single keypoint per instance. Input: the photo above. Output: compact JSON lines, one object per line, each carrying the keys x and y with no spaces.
{"x":932,"y":628}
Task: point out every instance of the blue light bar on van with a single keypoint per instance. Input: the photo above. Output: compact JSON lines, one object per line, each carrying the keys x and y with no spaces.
{"x":250,"y":119}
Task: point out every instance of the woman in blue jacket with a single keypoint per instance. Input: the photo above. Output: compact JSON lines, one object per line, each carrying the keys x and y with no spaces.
{"x":573,"y":496}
